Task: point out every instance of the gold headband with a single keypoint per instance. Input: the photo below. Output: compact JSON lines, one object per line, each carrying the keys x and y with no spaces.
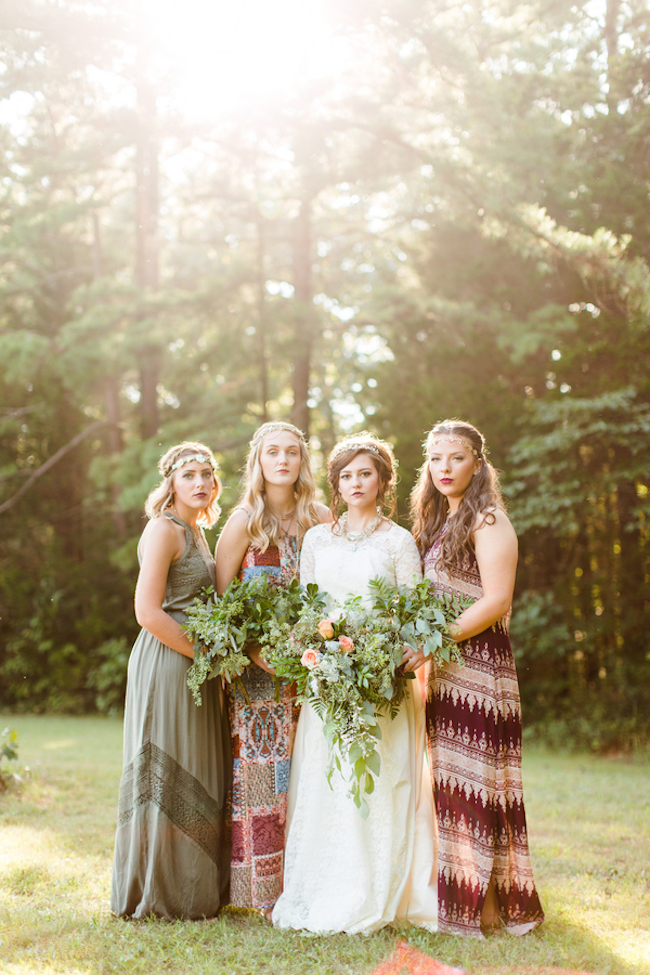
{"x":464,"y":443}
{"x":343,"y":448}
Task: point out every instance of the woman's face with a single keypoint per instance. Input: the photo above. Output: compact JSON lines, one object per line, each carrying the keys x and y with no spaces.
{"x":359,"y":482}
{"x":280,"y":458}
{"x":193,"y":485}
{"x":452,"y":466}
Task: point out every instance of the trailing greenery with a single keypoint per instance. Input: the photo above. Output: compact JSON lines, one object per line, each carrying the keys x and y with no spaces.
{"x":350,"y":668}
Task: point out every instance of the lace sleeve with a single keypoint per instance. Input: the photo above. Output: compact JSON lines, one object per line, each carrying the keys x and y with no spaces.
{"x":408,"y":565}
{"x":307,"y":562}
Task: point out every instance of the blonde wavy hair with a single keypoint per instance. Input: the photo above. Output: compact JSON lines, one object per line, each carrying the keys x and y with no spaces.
{"x":383,"y":458}
{"x":162,"y":496}
{"x":264,"y":527}
{"x":430,"y":509}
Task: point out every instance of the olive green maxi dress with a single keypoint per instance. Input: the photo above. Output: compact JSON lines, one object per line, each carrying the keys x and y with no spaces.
{"x":172,"y":848}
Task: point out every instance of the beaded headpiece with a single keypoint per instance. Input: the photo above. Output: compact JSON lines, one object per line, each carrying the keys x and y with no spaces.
{"x":463,"y":443}
{"x":274,"y":427}
{"x":199,"y":458}
{"x":345,"y":446}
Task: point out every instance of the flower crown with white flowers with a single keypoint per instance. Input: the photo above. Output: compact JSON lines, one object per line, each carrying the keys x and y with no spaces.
{"x":345,"y":446}
{"x":199,"y":458}
{"x":275,"y":427}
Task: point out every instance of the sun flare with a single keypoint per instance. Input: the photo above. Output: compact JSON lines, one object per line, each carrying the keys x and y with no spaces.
{"x":227,"y":55}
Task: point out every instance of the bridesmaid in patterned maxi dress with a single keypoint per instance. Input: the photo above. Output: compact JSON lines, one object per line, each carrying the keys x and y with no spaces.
{"x":263,"y":536}
{"x":485,"y":879}
{"x":172,"y":848}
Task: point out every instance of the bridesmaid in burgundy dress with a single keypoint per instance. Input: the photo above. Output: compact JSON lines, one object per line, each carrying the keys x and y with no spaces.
{"x":263,"y":537}
{"x":469,"y":547}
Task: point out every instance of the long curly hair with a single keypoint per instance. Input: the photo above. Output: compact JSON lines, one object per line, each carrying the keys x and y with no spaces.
{"x":264,"y":527}
{"x":430,"y":509}
{"x":381,"y":454}
{"x":162,"y":496}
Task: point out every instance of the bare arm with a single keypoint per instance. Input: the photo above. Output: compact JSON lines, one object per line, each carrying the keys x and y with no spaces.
{"x":324,"y":513}
{"x":231,"y":549}
{"x":163,"y":543}
{"x":408,"y":570}
{"x":496,"y":553}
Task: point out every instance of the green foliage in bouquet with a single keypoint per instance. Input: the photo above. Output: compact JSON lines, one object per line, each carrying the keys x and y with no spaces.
{"x":346,"y":668}
{"x":419,"y":617}
{"x":221,"y":627}
{"x":350,"y":668}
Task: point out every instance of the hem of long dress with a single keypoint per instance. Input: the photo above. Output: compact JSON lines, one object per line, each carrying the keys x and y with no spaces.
{"x":524,"y":927}
{"x":330,"y":932}
{"x":159,"y":916}
{"x":515,"y":928}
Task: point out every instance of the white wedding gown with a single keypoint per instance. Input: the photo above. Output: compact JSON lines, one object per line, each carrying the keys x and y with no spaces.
{"x":343,"y":872}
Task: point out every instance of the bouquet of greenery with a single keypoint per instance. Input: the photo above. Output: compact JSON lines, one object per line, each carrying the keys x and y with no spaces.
{"x":419,"y":618}
{"x":222,"y":626}
{"x":350,"y":668}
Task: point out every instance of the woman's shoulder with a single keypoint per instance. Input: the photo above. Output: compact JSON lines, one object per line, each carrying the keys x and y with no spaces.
{"x":323,"y":530}
{"x":493,"y":517}
{"x":399,"y":536}
{"x":162,"y":533}
{"x":324,"y":513}
{"x":494,"y":532}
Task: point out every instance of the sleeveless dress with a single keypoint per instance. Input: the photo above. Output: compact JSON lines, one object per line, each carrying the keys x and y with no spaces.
{"x":172,"y":848}
{"x":474,"y":733}
{"x":343,"y":872}
{"x":262,"y":742}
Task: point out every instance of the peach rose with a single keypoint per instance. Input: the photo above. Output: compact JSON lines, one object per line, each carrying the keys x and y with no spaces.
{"x":326,"y":629}
{"x":346,"y":644}
{"x":310,"y":659}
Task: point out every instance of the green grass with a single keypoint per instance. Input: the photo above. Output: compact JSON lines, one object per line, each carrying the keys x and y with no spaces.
{"x":589,"y":821}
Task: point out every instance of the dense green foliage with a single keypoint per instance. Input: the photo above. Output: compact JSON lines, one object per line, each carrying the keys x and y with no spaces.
{"x":455,"y":225}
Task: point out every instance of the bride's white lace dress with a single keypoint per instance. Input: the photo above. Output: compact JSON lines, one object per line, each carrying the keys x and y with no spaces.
{"x":343,"y":872}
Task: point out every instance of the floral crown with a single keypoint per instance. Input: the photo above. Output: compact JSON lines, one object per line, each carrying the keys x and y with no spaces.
{"x":463,"y":443}
{"x":274,"y":427}
{"x":345,"y":445}
{"x":199,"y":458}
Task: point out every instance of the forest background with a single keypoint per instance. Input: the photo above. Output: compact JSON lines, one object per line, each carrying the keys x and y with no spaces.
{"x":355,"y":215}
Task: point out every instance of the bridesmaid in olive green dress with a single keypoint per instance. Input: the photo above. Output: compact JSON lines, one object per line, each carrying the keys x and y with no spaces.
{"x":172,"y":848}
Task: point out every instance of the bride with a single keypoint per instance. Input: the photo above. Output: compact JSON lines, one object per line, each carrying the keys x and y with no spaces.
{"x":343,"y":872}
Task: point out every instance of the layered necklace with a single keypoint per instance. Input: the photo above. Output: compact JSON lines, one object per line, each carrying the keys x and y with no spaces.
{"x":288,"y":547}
{"x":354,"y":538}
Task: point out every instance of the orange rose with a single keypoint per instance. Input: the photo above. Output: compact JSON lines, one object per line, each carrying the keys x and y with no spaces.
{"x":310,"y":659}
{"x":326,"y":629}
{"x":346,"y":644}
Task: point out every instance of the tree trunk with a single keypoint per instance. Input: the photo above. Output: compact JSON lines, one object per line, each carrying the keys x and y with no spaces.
{"x":262,"y":351}
{"x":303,"y":337}
{"x":146,"y":260}
{"x":111,"y":393}
{"x":611,"y":44}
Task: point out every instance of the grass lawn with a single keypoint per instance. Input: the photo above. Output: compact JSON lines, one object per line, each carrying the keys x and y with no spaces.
{"x":589,"y":822}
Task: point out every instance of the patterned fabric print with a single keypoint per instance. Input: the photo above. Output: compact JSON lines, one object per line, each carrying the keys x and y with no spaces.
{"x":474,"y":735}
{"x":154,"y":777}
{"x":262,"y":741}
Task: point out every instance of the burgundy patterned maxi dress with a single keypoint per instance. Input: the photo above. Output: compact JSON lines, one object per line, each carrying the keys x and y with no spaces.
{"x":262,"y":733}
{"x":474,"y":735}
